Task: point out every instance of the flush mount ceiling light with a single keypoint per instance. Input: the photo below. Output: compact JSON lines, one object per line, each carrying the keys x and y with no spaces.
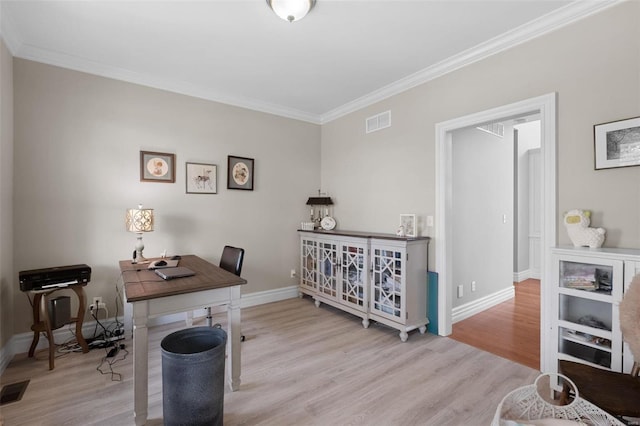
{"x":291,"y":10}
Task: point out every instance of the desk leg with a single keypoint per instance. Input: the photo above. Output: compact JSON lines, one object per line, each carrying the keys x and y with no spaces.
{"x":140,"y":362}
{"x":128,"y":319}
{"x":233,"y":341}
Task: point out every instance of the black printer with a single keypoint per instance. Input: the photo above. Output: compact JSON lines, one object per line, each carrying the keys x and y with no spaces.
{"x":58,"y":276}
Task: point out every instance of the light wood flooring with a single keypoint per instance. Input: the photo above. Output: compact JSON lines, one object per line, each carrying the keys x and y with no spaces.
{"x":301,"y":365}
{"x":510,"y":330}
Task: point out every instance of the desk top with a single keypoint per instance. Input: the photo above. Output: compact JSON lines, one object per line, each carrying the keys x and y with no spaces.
{"x":141,"y":283}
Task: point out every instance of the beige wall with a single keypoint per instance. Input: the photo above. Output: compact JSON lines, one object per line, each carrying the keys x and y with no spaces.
{"x":77,"y":144}
{"x":7,"y":281}
{"x":593,"y":65}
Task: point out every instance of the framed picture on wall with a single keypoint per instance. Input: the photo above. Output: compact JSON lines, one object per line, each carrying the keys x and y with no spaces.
{"x":617,"y":144}
{"x":240,"y":173}
{"x":202,"y":178}
{"x":408,"y":224}
{"x":157,"y":167}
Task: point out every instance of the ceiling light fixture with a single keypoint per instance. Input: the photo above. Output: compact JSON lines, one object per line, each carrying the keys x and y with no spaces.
{"x":291,"y":10}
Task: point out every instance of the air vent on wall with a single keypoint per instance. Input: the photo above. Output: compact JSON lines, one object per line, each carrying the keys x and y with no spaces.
{"x":378,"y":121}
{"x":496,"y":129}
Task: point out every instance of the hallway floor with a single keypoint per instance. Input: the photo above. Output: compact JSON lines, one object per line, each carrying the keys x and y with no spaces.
{"x":510,"y":330}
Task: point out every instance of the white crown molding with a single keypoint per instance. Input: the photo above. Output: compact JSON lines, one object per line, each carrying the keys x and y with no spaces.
{"x":62,"y":60}
{"x":559,"y":18}
{"x":7,"y":33}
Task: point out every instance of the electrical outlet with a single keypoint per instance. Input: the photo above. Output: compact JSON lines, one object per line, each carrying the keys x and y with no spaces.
{"x":293,"y":273}
{"x":97,"y":306}
{"x":473,"y":286}
{"x":460,"y":291}
{"x":430,"y":221}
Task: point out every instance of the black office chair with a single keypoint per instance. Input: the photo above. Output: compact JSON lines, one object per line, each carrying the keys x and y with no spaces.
{"x":231,"y":260}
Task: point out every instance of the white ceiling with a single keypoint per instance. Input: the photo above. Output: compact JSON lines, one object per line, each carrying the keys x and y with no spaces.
{"x":342,"y":56}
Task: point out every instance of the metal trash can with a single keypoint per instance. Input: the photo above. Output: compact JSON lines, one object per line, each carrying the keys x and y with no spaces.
{"x":193,"y":376}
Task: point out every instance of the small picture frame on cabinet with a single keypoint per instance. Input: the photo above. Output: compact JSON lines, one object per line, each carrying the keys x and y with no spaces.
{"x":408,"y":224}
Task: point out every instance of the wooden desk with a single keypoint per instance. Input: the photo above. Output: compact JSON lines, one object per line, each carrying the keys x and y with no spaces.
{"x":151,"y":296}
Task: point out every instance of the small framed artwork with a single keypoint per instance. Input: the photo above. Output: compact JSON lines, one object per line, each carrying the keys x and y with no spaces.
{"x":617,"y":144}
{"x":240,"y":173}
{"x":408,"y":224}
{"x":202,"y":178}
{"x":157,"y":167}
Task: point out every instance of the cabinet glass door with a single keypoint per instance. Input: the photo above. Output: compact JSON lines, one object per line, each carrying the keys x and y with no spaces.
{"x":586,"y":277}
{"x":327,"y":277}
{"x":387,"y":282}
{"x":353,"y":274}
{"x":308,"y":267}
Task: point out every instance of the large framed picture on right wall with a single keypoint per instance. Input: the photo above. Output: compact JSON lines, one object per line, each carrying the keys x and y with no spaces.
{"x":617,"y":143}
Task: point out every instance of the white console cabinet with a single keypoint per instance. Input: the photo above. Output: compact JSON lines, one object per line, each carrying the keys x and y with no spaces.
{"x":373,"y":276}
{"x":589,"y":285}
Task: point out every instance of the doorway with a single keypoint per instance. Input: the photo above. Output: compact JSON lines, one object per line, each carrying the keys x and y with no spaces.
{"x":545,"y":106}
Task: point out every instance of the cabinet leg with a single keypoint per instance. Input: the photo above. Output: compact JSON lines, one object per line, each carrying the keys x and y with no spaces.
{"x":423,"y":329}
{"x":36,"y":327}
{"x":365,"y":322}
{"x":44,"y":314}
{"x":34,"y":343}
{"x":317,"y":303}
{"x":404,"y":336}
{"x":82,"y":307}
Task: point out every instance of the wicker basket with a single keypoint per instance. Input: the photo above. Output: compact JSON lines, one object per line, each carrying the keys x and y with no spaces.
{"x":526,"y":403}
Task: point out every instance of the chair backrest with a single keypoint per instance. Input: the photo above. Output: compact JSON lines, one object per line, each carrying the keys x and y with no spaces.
{"x":231,"y":259}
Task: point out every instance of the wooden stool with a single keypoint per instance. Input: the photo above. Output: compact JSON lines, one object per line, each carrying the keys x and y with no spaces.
{"x":41,"y":322}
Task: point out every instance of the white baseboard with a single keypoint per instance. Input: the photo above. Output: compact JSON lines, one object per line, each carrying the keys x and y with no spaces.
{"x":525,"y":275}
{"x":476,"y":306}
{"x":246,"y":301}
{"x":20,"y":343}
{"x":7,"y":352}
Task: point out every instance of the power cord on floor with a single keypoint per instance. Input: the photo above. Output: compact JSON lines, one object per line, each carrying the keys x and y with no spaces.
{"x":111,"y":357}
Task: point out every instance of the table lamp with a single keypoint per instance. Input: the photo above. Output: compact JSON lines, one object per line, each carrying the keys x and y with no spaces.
{"x":139,"y":220}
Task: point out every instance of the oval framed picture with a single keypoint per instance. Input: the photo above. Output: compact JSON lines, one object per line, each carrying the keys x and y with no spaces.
{"x":240,"y":172}
{"x":157,"y":167}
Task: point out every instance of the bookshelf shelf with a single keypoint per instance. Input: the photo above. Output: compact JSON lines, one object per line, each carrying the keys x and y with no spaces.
{"x":588,"y":287}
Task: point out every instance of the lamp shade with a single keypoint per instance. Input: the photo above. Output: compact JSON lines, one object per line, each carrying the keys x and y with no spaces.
{"x":139,"y":220}
{"x":319,"y":201}
{"x":291,"y":10}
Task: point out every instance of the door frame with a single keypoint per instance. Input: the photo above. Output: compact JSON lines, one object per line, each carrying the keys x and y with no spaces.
{"x":544,"y":105}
